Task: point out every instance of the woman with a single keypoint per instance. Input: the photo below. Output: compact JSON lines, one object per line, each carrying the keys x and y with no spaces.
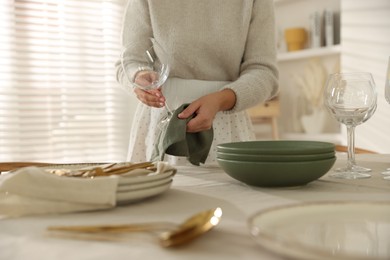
{"x":223,"y":62}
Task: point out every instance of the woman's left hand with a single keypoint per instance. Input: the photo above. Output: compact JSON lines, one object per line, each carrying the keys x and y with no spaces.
{"x":205,"y":109}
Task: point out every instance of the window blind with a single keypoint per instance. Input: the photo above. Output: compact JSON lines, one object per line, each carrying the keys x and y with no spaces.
{"x":59,"y":101}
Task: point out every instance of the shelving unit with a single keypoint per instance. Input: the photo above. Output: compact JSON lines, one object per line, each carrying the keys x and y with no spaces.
{"x":309,"y":53}
{"x":296,"y":13}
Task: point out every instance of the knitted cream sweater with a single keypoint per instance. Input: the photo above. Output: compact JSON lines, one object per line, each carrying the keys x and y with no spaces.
{"x":223,"y":40}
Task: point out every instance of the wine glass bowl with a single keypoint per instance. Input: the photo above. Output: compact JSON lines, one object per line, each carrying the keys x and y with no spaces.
{"x":387,"y":82}
{"x":351,"y":99}
{"x":145,"y":68}
{"x":387,"y":96}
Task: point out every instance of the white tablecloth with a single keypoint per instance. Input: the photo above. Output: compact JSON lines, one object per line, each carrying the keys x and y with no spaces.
{"x":193,"y":189}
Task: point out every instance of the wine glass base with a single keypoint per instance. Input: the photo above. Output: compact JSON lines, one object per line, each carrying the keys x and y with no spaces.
{"x":386,"y":173}
{"x":355,"y":168}
{"x":163,"y":124}
{"x":350,"y":175}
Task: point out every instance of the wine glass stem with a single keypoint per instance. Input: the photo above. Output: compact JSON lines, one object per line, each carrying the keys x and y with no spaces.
{"x":351,"y":146}
{"x":169,"y":110}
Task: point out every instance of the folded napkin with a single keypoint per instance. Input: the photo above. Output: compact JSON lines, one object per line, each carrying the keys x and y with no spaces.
{"x":175,"y":140}
{"x":32,"y":190}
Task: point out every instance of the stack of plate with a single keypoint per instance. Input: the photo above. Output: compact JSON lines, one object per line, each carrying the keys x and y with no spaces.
{"x":276,"y":163}
{"x":135,"y":188}
{"x":133,"y":185}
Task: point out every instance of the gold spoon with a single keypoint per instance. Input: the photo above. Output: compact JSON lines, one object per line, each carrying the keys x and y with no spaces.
{"x":180,"y":234}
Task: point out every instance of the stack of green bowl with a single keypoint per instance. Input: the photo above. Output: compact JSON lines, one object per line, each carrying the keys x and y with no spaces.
{"x":276,"y":163}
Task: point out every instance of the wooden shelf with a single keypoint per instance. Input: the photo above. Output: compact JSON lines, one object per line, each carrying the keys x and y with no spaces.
{"x":309,"y":53}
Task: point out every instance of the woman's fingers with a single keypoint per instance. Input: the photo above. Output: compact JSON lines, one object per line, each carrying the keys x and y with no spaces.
{"x":152,"y":97}
{"x":204,"y":116}
{"x":199,"y":123}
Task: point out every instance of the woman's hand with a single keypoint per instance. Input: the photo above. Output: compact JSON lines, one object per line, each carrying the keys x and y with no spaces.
{"x":205,"y":109}
{"x":152,"y":97}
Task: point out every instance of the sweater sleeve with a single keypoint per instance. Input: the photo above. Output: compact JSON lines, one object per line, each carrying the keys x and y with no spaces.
{"x":258,"y":80}
{"x":136,"y":33}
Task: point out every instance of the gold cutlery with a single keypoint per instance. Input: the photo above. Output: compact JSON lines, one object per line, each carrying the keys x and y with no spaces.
{"x":10,"y":166}
{"x":174,"y":235}
{"x":112,"y":170}
{"x":90,"y":169}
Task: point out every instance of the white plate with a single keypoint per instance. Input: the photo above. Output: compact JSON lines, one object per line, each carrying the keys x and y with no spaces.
{"x":325,"y":230}
{"x":136,"y":195}
{"x":125,"y":180}
{"x":143,"y":185}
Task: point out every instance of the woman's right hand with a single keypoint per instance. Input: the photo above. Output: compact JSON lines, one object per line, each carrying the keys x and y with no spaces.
{"x":152,"y":97}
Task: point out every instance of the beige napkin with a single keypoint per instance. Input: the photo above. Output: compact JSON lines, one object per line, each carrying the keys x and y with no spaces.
{"x":31,"y":190}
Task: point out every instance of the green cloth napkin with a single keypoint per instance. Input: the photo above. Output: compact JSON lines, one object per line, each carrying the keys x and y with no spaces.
{"x":174,"y":140}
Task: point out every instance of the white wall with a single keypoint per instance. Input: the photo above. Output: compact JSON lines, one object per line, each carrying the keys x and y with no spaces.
{"x":365,"y":39}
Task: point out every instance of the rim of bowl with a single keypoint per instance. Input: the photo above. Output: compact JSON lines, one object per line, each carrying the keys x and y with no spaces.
{"x":279,"y":147}
{"x":274,"y":158}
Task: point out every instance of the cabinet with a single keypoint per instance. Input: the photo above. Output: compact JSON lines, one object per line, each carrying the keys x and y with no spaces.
{"x":310,"y":64}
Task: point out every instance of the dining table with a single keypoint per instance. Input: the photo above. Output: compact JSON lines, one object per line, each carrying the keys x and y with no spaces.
{"x":194,"y":189}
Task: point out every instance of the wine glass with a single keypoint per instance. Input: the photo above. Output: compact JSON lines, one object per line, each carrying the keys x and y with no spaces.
{"x":352,"y":99}
{"x":387,"y":96}
{"x":387,"y":82}
{"x":147,"y":67}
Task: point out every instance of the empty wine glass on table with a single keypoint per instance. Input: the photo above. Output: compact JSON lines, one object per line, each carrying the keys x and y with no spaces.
{"x":387,"y":82}
{"x":147,"y":69}
{"x":387,"y":96}
{"x":352,"y":99}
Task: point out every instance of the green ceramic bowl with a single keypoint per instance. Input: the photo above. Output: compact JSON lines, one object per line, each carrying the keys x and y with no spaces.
{"x":276,"y":174}
{"x":274,"y":158}
{"x":279,"y":147}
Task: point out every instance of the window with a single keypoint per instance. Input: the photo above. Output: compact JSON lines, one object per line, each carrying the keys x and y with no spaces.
{"x":59,"y":101}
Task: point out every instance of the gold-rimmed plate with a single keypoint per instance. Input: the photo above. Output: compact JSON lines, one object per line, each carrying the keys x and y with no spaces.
{"x":325,"y":230}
